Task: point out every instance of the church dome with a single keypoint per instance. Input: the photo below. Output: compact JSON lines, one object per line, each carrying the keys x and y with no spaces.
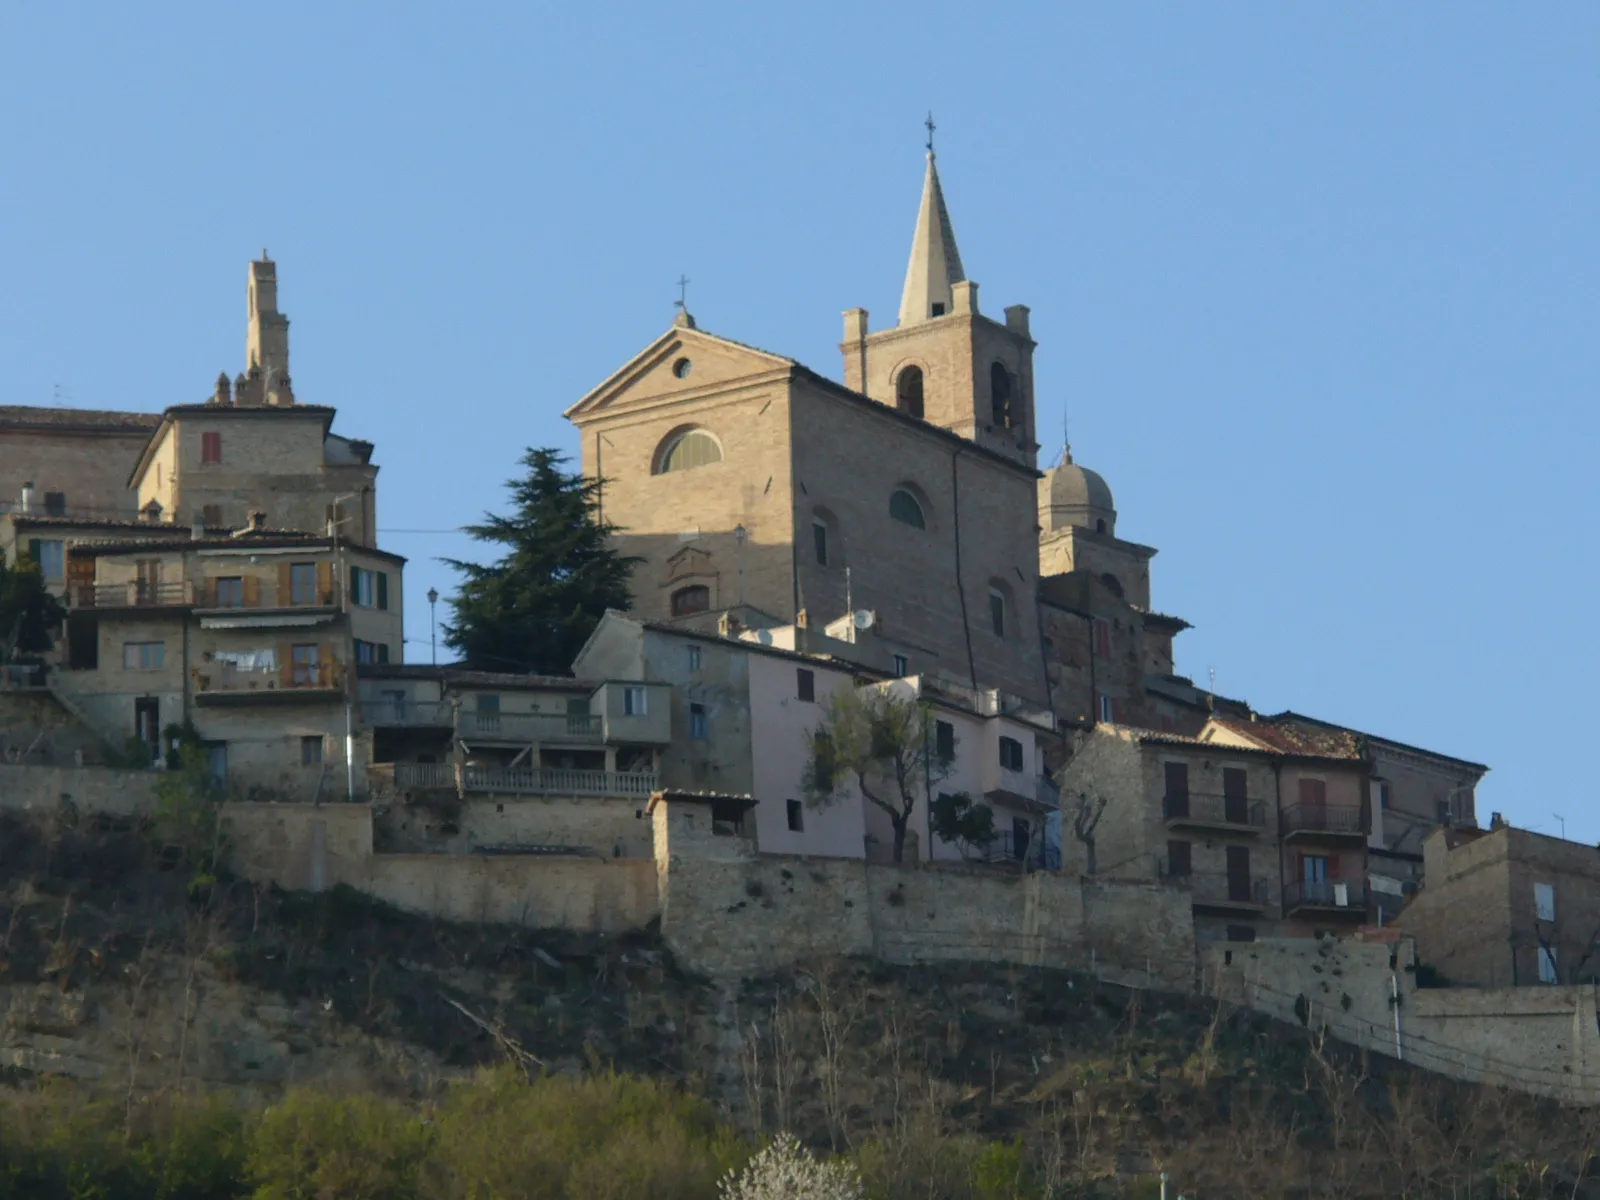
{"x":1074,"y":495}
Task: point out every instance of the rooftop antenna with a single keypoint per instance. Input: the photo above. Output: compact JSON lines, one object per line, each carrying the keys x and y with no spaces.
{"x":1211,"y":697}
{"x":1563,"y":821}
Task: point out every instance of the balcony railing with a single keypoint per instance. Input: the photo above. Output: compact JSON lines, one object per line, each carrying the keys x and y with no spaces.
{"x":411,"y":714}
{"x":133,"y":594}
{"x":1216,"y":888}
{"x":1028,"y":850}
{"x":544,"y":781}
{"x":88,"y":513}
{"x":1200,"y":808}
{"x":534,"y":727}
{"x":221,"y":678}
{"x":1341,"y":819}
{"x":1325,"y":895}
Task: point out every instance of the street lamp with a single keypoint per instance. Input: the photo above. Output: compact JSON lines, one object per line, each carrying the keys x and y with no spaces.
{"x":433,"y":624}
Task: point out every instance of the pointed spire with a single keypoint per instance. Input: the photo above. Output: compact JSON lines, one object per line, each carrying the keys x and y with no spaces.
{"x":935,"y":261}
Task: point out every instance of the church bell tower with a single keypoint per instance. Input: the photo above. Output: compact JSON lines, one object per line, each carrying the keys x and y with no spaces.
{"x":944,"y":362}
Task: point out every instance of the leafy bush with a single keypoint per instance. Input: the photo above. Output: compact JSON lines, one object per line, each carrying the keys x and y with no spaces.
{"x":357,"y":1147}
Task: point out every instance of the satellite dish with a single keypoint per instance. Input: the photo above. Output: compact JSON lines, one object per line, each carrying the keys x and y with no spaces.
{"x":864,"y":618}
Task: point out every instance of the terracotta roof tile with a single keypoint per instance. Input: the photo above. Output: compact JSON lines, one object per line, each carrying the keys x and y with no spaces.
{"x":25,"y":416}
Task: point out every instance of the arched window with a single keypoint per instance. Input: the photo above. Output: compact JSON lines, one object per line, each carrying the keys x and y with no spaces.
{"x":687,"y":448}
{"x":1100,"y":525}
{"x":693,"y":599}
{"x":903,"y":507}
{"x":908,"y":392}
{"x":1001,"y":609}
{"x":1113,"y":584}
{"x":1001,"y":408}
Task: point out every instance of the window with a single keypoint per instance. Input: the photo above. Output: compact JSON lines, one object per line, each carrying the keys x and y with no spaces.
{"x":1383,"y":795}
{"x":1102,"y":637}
{"x":311,"y":750}
{"x":306,"y":670}
{"x":302,"y":583}
{"x":1010,"y":754}
{"x":697,"y":722}
{"x":211,"y":516}
{"x":371,"y":652}
{"x":1000,"y":408}
{"x":1108,"y":710}
{"x":55,"y":504}
{"x":797,"y":816}
{"x":819,"y":540}
{"x":694,"y":658}
{"x":1544,"y":901}
{"x":634,"y":702}
{"x":577,"y":706}
{"x":230,"y":592}
{"x":210,"y":447}
{"x":944,"y":740}
{"x":902,"y":666}
{"x":682,"y":369}
{"x":903,"y":507}
{"x":908,"y":392}
{"x":1547,"y":965}
{"x":1176,"y":777}
{"x":488,"y":704}
{"x":1100,"y":525}
{"x":689,"y":600}
{"x":51,"y":555}
{"x":363,"y":587}
{"x":805,"y":683}
{"x":997,"y":611}
{"x":144,"y":656}
{"x":1235,"y":795}
{"x":686,"y":450}
{"x":1179,"y":862}
{"x":938,"y":308}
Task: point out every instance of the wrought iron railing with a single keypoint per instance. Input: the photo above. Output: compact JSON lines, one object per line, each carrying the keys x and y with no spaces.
{"x":1210,"y":809}
{"x":1325,"y":893}
{"x":530,"y":780}
{"x":1322,"y":818}
{"x":133,"y":594}
{"x":1218,"y":887}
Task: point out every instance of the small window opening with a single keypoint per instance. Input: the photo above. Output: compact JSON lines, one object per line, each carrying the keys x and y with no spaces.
{"x":805,"y":683}
{"x":1001,"y":410}
{"x":908,"y":392}
{"x":903,"y":507}
{"x":797,"y":816}
{"x":938,"y":308}
{"x":819,"y":540}
{"x":689,"y":600}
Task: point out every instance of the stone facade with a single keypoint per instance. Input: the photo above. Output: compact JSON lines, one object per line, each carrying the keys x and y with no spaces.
{"x":1534,"y":903}
{"x":77,"y":461}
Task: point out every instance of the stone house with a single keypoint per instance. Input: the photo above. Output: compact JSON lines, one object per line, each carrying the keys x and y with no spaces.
{"x":1507,"y":907}
{"x":743,"y":706}
{"x":250,"y":638}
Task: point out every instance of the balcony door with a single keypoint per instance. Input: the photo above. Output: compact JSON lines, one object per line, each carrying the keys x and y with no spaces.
{"x":1239,"y":889}
{"x":1313,"y":804}
{"x":1177,"y":799}
{"x":149,"y":584}
{"x":1235,"y":796}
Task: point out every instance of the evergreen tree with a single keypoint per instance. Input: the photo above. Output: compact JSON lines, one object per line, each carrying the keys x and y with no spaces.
{"x":533,"y":609}
{"x":29,"y":614}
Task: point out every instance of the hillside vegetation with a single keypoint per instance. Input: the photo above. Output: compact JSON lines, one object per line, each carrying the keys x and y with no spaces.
{"x":219,"y":1039}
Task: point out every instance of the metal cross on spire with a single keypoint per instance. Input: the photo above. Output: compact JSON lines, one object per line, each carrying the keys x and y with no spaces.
{"x":683,"y":293}
{"x":931,"y":127}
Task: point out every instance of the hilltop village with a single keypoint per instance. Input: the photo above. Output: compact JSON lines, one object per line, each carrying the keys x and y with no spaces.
{"x":220,"y":570}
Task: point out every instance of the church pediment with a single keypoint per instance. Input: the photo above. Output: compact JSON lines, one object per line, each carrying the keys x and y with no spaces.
{"x":684,"y":361}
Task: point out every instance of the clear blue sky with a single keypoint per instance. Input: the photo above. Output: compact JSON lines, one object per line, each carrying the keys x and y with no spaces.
{"x":1317,"y":281}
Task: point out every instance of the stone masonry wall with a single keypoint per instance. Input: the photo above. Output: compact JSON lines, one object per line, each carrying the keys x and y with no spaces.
{"x":89,"y":789}
{"x":1543,"y":1040}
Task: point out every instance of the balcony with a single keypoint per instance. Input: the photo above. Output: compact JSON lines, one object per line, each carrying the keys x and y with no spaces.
{"x":291,"y":683}
{"x":527,"y":728}
{"x":408,"y":714}
{"x":1200,"y":810}
{"x":1221,"y":892}
{"x":1027,"y":852}
{"x":133,"y":594}
{"x":533,"y":781}
{"x":1324,"y":823}
{"x":1325,"y":898}
{"x":251,"y":593}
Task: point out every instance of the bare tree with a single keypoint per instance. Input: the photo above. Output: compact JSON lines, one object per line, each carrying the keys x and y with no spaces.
{"x":1086,"y":814}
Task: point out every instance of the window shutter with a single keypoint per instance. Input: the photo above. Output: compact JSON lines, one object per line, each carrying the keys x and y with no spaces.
{"x":383,"y":589}
{"x":324,"y":583}
{"x":324,"y":670}
{"x":252,"y":591}
{"x":355,"y":590}
{"x":285,"y":586}
{"x":383,"y":649}
{"x":1333,"y":866}
{"x":33,"y":550}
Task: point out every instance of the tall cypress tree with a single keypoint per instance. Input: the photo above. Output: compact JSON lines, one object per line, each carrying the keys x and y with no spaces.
{"x":533,"y":609}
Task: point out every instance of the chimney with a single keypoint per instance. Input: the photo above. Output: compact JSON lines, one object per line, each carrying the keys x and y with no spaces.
{"x":1496,"y":821}
{"x":224,"y":393}
{"x":27,"y":498}
{"x":855,"y":349}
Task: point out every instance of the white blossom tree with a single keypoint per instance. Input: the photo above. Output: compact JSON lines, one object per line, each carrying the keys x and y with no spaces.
{"x":785,"y":1170}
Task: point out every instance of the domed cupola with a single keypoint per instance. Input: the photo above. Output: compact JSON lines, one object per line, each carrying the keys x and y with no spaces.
{"x":1074,"y":495}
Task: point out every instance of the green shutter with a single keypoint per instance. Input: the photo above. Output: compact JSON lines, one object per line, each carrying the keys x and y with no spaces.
{"x":383,"y":589}
{"x":33,"y":551}
{"x":383,"y":647}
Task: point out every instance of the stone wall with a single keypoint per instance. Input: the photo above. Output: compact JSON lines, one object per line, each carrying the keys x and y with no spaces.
{"x":36,"y":730}
{"x":610,"y":828}
{"x":591,"y":895}
{"x":1543,"y":1040}
{"x":90,"y":789}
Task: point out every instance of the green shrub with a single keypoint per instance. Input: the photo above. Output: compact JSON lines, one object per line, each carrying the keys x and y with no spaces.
{"x":313,"y":1145}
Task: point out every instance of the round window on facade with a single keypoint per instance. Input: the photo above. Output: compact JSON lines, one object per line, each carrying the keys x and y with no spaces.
{"x":682,"y":368}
